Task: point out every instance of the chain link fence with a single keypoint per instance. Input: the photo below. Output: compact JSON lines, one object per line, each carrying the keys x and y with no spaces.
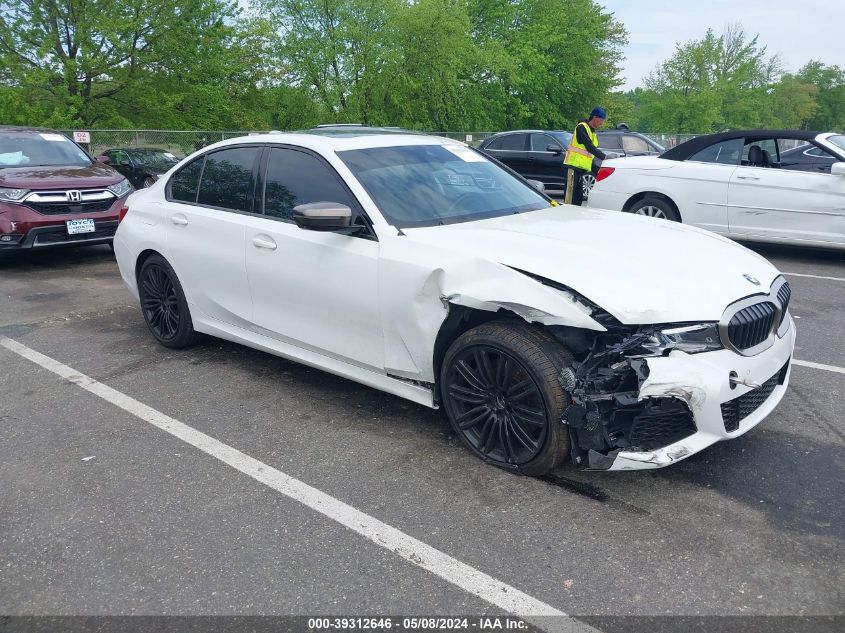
{"x":183,"y":142}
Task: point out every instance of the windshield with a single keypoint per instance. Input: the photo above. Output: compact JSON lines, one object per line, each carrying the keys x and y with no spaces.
{"x":37,"y":149}
{"x":154,"y":157}
{"x":426,"y":185}
{"x":837,"y":140}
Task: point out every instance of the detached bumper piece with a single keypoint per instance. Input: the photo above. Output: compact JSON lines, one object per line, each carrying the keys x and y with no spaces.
{"x":736,"y":410}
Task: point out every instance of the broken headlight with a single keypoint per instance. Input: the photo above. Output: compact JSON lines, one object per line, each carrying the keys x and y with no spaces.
{"x":692,"y":339}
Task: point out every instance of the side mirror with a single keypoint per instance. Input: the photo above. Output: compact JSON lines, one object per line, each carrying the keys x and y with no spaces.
{"x":539,"y":186}
{"x":554,"y":149}
{"x":322,"y":216}
{"x":837,"y":169}
{"x":103,"y":159}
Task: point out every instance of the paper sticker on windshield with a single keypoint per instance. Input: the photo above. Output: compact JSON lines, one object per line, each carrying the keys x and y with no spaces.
{"x":464,"y":153}
{"x":53,"y":137}
{"x":169,"y":155}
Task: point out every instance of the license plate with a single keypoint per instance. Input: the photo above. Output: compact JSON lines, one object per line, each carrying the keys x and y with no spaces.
{"x":80,"y":226}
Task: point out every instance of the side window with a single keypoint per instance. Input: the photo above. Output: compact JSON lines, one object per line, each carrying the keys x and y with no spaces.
{"x":539,"y":142}
{"x":294,"y":178}
{"x":514,"y":142}
{"x":183,"y":185}
{"x":631,"y":143}
{"x":765,"y":155}
{"x":495,"y":144}
{"x":610,"y":141}
{"x":724,"y":153}
{"x":227,"y":178}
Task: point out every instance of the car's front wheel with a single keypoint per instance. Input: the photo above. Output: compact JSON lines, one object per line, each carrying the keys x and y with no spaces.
{"x":656,"y":208}
{"x":164,"y":305}
{"x":149,"y":181}
{"x":500,"y":388}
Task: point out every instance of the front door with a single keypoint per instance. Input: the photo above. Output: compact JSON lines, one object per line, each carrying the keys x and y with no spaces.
{"x":778,"y":202}
{"x":317,"y":290}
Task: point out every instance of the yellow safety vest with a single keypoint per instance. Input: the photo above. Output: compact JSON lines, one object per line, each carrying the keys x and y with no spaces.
{"x":576,"y":154}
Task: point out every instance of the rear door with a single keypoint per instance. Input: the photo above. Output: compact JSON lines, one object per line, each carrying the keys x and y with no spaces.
{"x":313,"y":289}
{"x":785,"y":201}
{"x":205,"y":239}
{"x":512,"y":150}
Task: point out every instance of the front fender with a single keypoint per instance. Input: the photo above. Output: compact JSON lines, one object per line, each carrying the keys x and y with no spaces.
{"x":417,"y":284}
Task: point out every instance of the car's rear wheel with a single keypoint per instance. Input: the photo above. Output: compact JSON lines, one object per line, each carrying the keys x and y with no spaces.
{"x":588,"y":181}
{"x":500,"y":388}
{"x":149,"y":181}
{"x":164,"y":305}
{"x":656,"y":208}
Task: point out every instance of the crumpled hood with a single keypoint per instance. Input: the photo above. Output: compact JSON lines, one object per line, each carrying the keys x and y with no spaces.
{"x":641,"y":270}
{"x":62,"y":176}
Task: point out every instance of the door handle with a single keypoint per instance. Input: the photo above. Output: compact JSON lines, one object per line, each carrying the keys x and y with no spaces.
{"x":749,"y":177}
{"x":264,"y":241}
{"x":179,"y":219}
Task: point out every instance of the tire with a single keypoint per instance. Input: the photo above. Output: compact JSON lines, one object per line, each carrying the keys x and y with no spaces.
{"x":163,"y":304}
{"x":655,"y":208}
{"x":149,"y":181}
{"x":500,"y":389}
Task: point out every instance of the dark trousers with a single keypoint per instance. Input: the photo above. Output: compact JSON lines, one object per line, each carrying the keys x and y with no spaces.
{"x":574,"y":187}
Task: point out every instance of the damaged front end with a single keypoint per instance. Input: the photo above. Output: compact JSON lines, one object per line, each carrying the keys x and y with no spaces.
{"x":614,"y":407}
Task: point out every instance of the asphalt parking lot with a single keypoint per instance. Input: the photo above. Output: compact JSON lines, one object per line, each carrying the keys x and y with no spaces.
{"x":105,"y":513}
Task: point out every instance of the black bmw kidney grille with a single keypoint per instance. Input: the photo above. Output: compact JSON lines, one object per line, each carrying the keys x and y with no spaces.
{"x":752,"y":325}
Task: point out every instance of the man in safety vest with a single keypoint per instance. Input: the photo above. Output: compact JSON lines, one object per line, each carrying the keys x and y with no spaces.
{"x":583,"y":148}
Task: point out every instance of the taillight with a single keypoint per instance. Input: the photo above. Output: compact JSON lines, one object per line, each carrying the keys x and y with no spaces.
{"x":123,"y":211}
{"x":604,"y":172}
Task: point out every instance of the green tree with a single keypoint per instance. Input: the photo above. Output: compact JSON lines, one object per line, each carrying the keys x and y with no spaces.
{"x":77,"y":62}
{"x":829,"y":82}
{"x":716,"y":82}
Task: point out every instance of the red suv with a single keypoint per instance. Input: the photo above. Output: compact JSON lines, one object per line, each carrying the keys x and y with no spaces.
{"x":53,"y":194}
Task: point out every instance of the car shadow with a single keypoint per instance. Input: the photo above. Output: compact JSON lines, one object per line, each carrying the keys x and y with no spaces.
{"x":54,"y":258}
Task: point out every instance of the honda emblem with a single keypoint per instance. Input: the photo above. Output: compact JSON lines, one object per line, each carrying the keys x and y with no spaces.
{"x":74,"y":195}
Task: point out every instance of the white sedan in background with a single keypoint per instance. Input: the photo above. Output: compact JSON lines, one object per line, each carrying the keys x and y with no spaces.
{"x":762,"y":185}
{"x":416,"y":266}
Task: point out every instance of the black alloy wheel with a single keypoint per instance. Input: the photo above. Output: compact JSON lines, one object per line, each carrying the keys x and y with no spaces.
{"x":163,"y":304}
{"x":500,"y":389}
{"x":498,"y":405}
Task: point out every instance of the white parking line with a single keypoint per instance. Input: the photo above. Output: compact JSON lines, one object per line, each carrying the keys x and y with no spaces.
{"x":815,"y":276}
{"x":806,"y":363}
{"x":450,"y":569}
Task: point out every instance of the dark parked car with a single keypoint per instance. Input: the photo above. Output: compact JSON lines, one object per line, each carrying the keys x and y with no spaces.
{"x":141,"y":165}
{"x":533,"y":154}
{"x":623,"y":142}
{"x":806,"y":157}
{"x":52,"y":193}
{"x":538,"y":154}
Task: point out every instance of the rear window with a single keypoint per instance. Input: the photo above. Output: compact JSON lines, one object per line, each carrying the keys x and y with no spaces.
{"x":724,"y":153}
{"x":227,"y":178}
{"x":40,"y":149}
{"x":183,"y":186}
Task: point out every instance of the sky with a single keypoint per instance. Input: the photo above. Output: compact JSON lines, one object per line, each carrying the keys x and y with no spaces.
{"x":800,"y":30}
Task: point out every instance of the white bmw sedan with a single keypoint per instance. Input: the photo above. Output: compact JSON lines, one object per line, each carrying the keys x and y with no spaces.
{"x":416,"y":266}
{"x":762,"y":185}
